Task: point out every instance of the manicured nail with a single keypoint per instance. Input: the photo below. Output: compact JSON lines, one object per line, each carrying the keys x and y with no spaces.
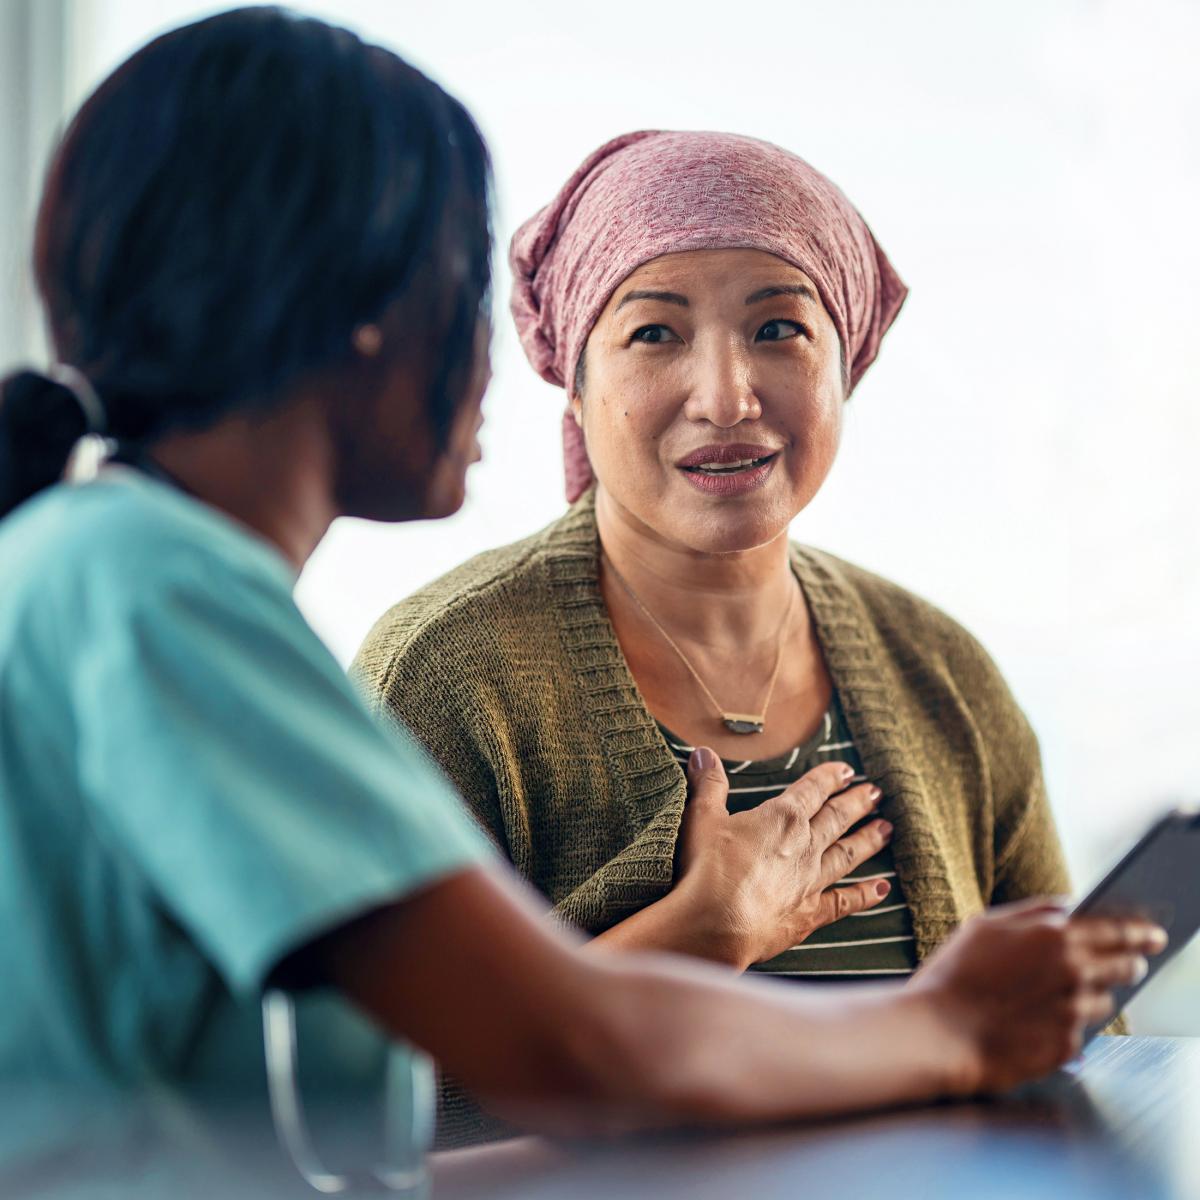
{"x":1141,"y":968}
{"x":882,"y":888}
{"x":1158,"y":940}
{"x":703,"y":759}
{"x":886,"y":827}
{"x":847,"y":771}
{"x":874,"y":793}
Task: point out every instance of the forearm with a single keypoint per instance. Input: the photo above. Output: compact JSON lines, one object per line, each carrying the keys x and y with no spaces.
{"x":557,"y":1039}
{"x":702,"y":1049}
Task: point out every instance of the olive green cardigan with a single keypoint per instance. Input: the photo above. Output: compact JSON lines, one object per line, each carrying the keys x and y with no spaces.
{"x":509,"y":671}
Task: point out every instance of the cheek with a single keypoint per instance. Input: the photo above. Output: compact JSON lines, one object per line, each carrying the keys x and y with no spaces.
{"x":811,"y":396}
{"x":825,"y":421}
{"x":625,"y":417}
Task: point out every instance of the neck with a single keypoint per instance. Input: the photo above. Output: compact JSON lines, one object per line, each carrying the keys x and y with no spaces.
{"x":271,"y":472}
{"x":711,"y":600}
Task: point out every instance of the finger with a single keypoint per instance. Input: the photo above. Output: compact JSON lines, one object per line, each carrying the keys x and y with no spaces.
{"x":1093,"y":1007}
{"x":708,"y":788}
{"x":850,"y":898}
{"x":846,"y":853}
{"x":1124,"y":970}
{"x":840,"y":812}
{"x":814,"y":787}
{"x":1117,"y":934}
{"x":1034,"y":906}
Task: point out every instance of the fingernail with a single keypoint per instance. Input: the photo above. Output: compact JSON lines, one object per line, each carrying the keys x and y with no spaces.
{"x":1158,"y":940}
{"x":847,"y":771}
{"x":1141,"y":968}
{"x":882,"y":888}
{"x":703,"y":759}
{"x":874,"y":793}
{"x":886,"y":827}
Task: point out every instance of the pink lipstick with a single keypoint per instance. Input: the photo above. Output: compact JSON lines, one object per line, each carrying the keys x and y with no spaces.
{"x":730,"y":469}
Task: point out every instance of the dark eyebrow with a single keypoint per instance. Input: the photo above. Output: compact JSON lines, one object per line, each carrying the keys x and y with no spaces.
{"x":796,"y":289}
{"x":665,"y":297}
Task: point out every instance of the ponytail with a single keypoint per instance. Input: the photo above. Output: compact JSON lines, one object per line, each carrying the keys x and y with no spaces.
{"x":41,"y":421}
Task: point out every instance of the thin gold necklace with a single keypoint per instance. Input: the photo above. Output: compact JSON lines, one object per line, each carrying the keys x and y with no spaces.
{"x":735,"y":722}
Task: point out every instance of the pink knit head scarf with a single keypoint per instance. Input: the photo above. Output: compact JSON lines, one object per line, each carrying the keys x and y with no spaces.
{"x":652,"y":193}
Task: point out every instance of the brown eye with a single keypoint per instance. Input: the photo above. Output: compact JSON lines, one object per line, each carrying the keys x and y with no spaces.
{"x":652,"y":335}
{"x":779,"y":331}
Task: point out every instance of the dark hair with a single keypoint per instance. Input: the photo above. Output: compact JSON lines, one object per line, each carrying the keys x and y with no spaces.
{"x":223,"y":212}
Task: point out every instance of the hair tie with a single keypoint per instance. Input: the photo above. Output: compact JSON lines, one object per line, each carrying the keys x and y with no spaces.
{"x":86,"y":396}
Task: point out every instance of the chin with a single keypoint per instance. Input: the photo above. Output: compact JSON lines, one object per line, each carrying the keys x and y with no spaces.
{"x":440,"y":507}
{"x":447,"y":493}
{"x":726,"y":527}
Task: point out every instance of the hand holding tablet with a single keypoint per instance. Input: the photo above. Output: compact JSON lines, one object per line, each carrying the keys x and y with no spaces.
{"x":1159,"y":879}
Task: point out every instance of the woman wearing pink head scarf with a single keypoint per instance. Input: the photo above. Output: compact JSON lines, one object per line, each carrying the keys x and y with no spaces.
{"x":708,"y":303}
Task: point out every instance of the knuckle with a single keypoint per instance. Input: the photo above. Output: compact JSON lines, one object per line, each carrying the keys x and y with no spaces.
{"x":1134,"y":969}
{"x":862,"y":798}
{"x":804,"y":795}
{"x":836,"y":808}
{"x":787,"y":813}
{"x":706,"y":790}
{"x":828,"y":778}
{"x":1050,"y":939}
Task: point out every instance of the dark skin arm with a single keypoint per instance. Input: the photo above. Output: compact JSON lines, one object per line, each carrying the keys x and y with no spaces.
{"x":561,"y":1040}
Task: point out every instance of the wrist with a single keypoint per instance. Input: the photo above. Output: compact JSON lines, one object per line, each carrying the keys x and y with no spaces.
{"x":937,"y":1017}
{"x":708,"y":929}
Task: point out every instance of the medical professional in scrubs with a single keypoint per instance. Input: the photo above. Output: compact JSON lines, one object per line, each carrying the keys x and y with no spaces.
{"x":263,"y":249}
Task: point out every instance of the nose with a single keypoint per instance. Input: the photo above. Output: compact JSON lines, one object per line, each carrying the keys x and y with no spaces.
{"x":722,"y":388}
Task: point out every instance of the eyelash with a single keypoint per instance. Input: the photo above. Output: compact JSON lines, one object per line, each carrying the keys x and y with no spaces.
{"x":635,"y":337}
{"x":801,"y":331}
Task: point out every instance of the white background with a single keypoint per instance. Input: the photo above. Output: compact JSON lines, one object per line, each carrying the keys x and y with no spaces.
{"x":1023,"y":451}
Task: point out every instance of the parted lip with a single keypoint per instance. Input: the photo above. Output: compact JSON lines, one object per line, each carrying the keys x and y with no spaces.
{"x":726,"y":452}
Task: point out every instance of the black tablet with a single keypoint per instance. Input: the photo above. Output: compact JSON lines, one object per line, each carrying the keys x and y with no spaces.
{"x":1158,"y":879}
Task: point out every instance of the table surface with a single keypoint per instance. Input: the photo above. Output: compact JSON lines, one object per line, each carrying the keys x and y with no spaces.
{"x":1124,"y":1123}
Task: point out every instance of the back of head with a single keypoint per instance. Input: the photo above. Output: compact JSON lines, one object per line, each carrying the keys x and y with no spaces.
{"x":222,"y":213}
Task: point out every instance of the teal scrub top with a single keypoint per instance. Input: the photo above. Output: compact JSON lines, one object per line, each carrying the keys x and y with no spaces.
{"x":190,"y":788}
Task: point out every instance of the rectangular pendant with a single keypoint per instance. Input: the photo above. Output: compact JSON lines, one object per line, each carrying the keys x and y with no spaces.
{"x":743,"y":722}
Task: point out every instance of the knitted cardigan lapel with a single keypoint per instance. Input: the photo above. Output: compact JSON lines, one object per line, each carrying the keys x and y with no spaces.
{"x":874,"y":699}
{"x":650,"y":783}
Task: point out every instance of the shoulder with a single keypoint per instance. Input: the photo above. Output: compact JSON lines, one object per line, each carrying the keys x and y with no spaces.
{"x":80,"y":560}
{"x":490,"y":609}
{"x":126,"y":523}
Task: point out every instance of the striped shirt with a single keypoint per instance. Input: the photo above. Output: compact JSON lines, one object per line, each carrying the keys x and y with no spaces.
{"x":872,"y":944}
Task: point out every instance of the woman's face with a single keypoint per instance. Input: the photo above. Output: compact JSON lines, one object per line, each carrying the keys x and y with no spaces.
{"x":712,"y":397}
{"x":447,"y":488}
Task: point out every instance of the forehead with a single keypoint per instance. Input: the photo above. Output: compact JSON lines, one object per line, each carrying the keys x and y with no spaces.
{"x":711,"y":270}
